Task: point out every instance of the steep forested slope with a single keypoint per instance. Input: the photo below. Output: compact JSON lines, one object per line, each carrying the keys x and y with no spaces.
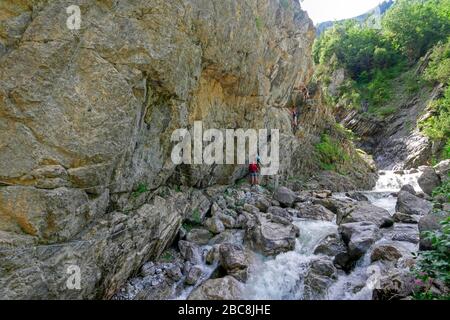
{"x":390,"y":86}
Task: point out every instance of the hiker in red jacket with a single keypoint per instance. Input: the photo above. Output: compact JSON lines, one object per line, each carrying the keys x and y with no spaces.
{"x":253,"y":168}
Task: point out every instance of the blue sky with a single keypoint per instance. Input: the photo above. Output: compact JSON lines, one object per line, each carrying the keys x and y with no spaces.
{"x":324,"y":10}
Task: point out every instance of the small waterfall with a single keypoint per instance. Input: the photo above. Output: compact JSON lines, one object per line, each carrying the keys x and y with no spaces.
{"x":281,"y":278}
{"x":207,"y":271}
{"x":392,"y":181}
{"x":385,"y":200}
{"x":355,"y":286}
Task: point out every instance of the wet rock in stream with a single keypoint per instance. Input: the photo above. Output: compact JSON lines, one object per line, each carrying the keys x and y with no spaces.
{"x":294,"y":249}
{"x":359,"y":237}
{"x":269,"y":237}
{"x":227,"y":288}
{"x":411,"y":204}
{"x":365,"y":212}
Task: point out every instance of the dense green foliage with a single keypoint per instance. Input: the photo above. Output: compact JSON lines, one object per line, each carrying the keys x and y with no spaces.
{"x":443,"y":190}
{"x":409,"y":29}
{"x":437,"y":125}
{"x":414,"y":26}
{"x":438,"y":69}
{"x":196,"y":218}
{"x":330,"y":154}
{"x":381,"y":64}
{"x":374,"y":58}
{"x":360,"y":50}
{"x":434,"y":265}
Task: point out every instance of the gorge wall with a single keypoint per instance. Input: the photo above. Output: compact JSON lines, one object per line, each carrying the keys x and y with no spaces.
{"x":395,"y":141}
{"x":86,"y":118}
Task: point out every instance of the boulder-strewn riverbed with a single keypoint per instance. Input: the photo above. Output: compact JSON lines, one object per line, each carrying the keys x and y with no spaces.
{"x":258,"y":244}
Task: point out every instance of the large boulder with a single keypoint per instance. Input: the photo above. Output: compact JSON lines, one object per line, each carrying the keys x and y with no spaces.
{"x":428,"y":180}
{"x":199,"y":207}
{"x":280,"y":212}
{"x":262,"y":204}
{"x":364,"y":211}
{"x":314,"y":212}
{"x":408,"y":188}
{"x":229,"y":236}
{"x":213,"y":255}
{"x":410,"y":204}
{"x":404,"y":233}
{"x":193,"y":276}
{"x":286,"y":197}
{"x":396,"y":284}
{"x":405,"y":218}
{"x":227,"y":288}
{"x":337,"y":206}
{"x":232,"y":257}
{"x":320,"y":276}
{"x":174,"y":272}
{"x":322,"y":194}
{"x":234,"y":260}
{"x":125,"y":241}
{"x":148,"y":269}
{"x":190,"y":251}
{"x":250,"y":208}
{"x":199,"y":236}
{"x":214,"y":225}
{"x":385,"y":252}
{"x":227,"y":220}
{"x":359,"y":237}
{"x":332,"y":246}
{"x":271,"y":238}
{"x":356,"y":195}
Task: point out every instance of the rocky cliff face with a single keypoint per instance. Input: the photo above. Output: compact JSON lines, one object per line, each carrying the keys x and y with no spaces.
{"x":86,"y":118}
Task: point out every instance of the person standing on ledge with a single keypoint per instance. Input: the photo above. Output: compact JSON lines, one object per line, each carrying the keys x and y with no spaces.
{"x":253,"y":168}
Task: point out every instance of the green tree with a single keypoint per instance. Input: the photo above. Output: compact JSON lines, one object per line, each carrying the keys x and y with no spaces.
{"x":414,"y":26}
{"x":437,"y":127}
{"x":438,"y":69}
{"x":359,"y":49}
